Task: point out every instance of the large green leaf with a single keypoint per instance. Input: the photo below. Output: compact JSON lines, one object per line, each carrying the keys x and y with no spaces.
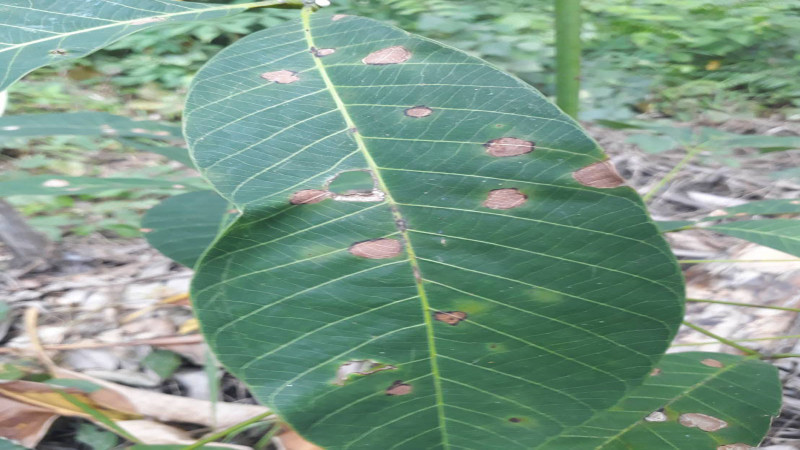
{"x":780,"y":234}
{"x":488,"y":290}
{"x":35,"y":33}
{"x":743,"y":393}
{"x":181,"y":227}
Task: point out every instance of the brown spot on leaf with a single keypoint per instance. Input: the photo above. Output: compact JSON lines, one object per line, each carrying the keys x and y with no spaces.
{"x":399,"y":388}
{"x":377,"y":248}
{"x":656,"y":416}
{"x":390,"y":55}
{"x":712,"y":363}
{"x":599,"y":175}
{"x":280,"y":76}
{"x":450,"y":317}
{"x":145,"y":230}
{"x":58,"y":52}
{"x":338,"y":17}
{"x":738,"y":446}
{"x":419,"y":111}
{"x":308,"y":196}
{"x":655,"y":372}
{"x":320,"y":52}
{"x":515,"y":420}
{"x":55,"y":183}
{"x":702,"y":421}
{"x":509,"y":146}
{"x":147,"y":20}
{"x":505,"y":199}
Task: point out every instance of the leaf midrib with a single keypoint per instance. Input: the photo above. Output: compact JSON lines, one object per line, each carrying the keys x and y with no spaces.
{"x":412,"y":258}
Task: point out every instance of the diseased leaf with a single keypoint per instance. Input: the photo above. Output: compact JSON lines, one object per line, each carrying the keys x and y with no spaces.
{"x":183,"y":226}
{"x":61,"y":185}
{"x":780,"y":234}
{"x":35,"y":33}
{"x":693,"y":400}
{"x":497,"y":285}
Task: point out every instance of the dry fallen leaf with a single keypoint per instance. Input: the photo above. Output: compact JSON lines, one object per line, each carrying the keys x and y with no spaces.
{"x":24,"y":423}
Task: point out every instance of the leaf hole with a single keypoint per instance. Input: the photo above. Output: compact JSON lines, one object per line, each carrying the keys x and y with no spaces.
{"x":360,"y":367}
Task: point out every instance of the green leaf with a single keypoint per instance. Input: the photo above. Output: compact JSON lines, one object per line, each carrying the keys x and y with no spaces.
{"x":61,"y":185}
{"x":780,"y":234}
{"x":96,"y":438}
{"x":183,"y":226}
{"x":480,"y":280}
{"x":163,"y":362}
{"x":87,"y":123}
{"x":36,"y":33}
{"x":652,"y":143}
{"x":81,"y":385}
{"x":761,"y":208}
{"x":742,"y":392}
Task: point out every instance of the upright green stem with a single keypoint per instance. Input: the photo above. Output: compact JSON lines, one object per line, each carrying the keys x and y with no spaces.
{"x":690,"y":154}
{"x":568,"y":55}
{"x":743,"y":349}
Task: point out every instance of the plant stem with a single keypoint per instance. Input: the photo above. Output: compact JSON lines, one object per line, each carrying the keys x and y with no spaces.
{"x":263,"y":443}
{"x":221,"y":434}
{"x":690,"y":154}
{"x":728,"y":342}
{"x":782,"y":355}
{"x":568,"y":55}
{"x":702,"y":300}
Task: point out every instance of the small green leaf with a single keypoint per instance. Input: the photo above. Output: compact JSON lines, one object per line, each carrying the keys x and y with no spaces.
{"x":652,"y":143}
{"x":96,"y":438}
{"x":10,"y":372}
{"x":780,"y":234}
{"x":87,"y":123}
{"x":181,"y":227}
{"x":732,"y":398}
{"x":61,"y":185}
{"x":761,"y":208}
{"x":665,"y":226}
{"x":81,"y":385}
{"x":162,"y":362}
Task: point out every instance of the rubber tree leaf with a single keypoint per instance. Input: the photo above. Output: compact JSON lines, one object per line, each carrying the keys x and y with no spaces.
{"x":85,"y":123}
{"x":183,"y":226}
{"x":761,"y":207}
{"x":495,"y":286}
{"x":36,"y":33}
{"x":780,"y":234}
{"x":60,"y":185}
{"x":693,"y":400}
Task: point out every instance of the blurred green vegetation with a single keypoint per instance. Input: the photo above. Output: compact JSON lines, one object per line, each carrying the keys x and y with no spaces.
{"x":678,"y":59}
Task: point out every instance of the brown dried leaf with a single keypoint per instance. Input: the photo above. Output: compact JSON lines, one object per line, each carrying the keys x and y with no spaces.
{"x":24,"y":423}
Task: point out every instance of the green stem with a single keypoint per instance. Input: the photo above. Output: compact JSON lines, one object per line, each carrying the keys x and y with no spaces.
{"x":232,"y":429}
{"x":699,"y":261}
{"x":264,"y":442}
{"x":690,"y":154}
{"x":728,"y":342}
{"x":568,"y":55}
{"x":782,"y":355}
{"x":720,"y":302}
{"x":771,"y":338}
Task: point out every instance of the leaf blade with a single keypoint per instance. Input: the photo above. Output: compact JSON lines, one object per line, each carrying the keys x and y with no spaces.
{"x":266,"y":131}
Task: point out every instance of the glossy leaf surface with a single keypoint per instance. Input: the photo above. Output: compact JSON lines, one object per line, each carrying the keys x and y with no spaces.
{"x":495,"y":286}
{"x":181,"y":227}
{"x":35,"y":33}
{"x":739,"y":396}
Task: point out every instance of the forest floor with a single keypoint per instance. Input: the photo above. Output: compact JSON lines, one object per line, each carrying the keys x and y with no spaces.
{"x":106,"y":304}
